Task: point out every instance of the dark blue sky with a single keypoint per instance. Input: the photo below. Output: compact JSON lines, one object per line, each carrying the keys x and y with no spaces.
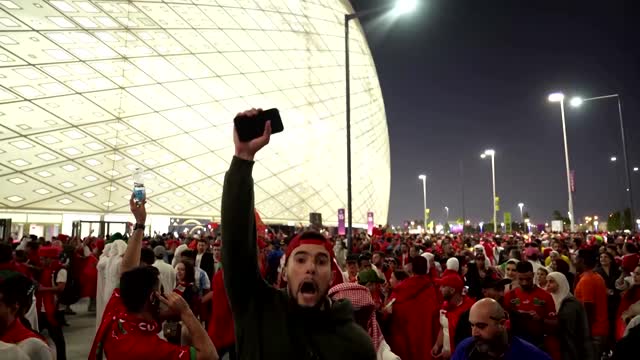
{"x":460,"y":76}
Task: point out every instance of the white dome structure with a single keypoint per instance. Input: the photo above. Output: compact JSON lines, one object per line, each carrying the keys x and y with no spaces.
{"x":90,"y":90}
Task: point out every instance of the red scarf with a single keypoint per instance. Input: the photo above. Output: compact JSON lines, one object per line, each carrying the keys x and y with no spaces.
{"x":116,"y":322}
{"x":48,"y":298}
{"x":17,"y":332}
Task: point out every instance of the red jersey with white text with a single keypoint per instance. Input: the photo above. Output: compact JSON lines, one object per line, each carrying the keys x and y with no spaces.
{"x":124,"y":336}
{"x":521,"y":305}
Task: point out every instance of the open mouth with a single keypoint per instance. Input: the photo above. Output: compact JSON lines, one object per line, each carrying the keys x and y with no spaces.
{"x":308,"y":289}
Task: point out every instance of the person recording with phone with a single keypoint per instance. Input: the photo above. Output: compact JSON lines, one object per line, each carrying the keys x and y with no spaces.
{"x":299,"y":322}
{"x":131,"y":319}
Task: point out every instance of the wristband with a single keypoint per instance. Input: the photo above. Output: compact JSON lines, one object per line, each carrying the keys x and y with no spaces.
{"x":138,"y":227}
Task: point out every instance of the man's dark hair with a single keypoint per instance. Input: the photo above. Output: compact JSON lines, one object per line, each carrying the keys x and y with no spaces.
{"x":17,"y":289}
{"x":147,"y":256}
{"x":352,"y":259}
{"x":400,"y":275}
{"x":6,"y":253}
{"x":203,"y":240}
{"x":362,"y":258}
{"x":524,"y":267}
{"x":136,"y":286}
{"x":419,"y":265}
{"x":189,"y":254}
{"x":578,"y":242}
{"x":631,"y":248}
{"x":588,"y":257}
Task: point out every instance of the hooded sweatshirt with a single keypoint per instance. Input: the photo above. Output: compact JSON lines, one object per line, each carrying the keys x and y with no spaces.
{"x":268,"y":323}
{"x":414,"y":322}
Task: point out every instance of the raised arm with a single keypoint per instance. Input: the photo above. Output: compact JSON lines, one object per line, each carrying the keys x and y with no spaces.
{"x":131,"y":258}
{"x":239,"y":249}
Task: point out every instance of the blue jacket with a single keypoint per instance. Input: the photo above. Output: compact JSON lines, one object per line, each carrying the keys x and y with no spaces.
{"x":519,"y":350}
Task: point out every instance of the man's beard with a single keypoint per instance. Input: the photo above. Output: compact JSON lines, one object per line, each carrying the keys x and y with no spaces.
{"x":491,"y":348}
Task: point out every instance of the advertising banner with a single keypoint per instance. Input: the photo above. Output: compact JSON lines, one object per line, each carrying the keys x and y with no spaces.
{"x":341,"y":228}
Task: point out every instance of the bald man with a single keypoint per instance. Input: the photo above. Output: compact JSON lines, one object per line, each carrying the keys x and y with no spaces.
{"x":490,"y":337}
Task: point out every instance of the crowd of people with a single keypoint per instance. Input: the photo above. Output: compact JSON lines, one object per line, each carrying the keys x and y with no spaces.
{"x":247,"y":291}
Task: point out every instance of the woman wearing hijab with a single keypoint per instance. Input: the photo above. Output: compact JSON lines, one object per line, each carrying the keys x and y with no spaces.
{"x":563,"y":268}
{"x":573,"y":331}
{"x":364,"y":314}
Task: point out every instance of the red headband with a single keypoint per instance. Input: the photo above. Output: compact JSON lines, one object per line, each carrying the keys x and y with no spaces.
{"x":297,"y":241}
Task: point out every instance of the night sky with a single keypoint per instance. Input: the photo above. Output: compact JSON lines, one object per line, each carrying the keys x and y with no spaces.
{"x":461,"y":76}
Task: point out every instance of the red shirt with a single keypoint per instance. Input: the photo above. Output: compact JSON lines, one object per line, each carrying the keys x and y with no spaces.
{"x":592,"y":289}
{"x":522,"y":304}
{"x":124,"y":336}
{"x":221,"y":329}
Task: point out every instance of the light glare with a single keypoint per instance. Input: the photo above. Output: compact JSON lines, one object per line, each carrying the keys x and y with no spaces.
{"x":405,"y":6}
{"x":576,"y":101}
{"x":556,"y":97}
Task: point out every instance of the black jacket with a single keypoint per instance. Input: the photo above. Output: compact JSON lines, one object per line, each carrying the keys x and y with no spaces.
{"x":268,"y":324}
{"x":627,"y":347}
{"x":207,"y":264}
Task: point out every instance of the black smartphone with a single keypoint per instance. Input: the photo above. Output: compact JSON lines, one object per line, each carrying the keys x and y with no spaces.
{"x":252,"y":128}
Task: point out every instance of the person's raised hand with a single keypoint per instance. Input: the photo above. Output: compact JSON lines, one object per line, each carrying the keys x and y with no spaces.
{"x":138,"y":210}
{"x":175,"y":303}
{"x":247,"y":150}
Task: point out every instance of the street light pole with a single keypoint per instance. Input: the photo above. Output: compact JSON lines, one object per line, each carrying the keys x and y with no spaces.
{"x":559,"y":97}
{"x":401,"y":7}
{"x":424,"y":198}
{"x":492,"y":153}
{"x":575,"y":102}
{"x":348,"y":17}
{"x":493,"y":176}
{"x":446,"y":208}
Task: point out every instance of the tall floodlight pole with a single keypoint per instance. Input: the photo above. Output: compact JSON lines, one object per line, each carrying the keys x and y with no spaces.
{"x":400,"y":7}
{"x":559,"y":97}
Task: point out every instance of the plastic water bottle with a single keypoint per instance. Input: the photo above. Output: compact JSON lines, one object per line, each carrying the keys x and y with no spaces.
{"x":138,"y":186}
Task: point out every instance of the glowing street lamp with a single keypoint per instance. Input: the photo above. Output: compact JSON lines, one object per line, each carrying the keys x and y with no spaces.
{"x":405,"y":6}
{"x":492,"y":153}
{"x":401,"y":7}
{"x":559,"y":97}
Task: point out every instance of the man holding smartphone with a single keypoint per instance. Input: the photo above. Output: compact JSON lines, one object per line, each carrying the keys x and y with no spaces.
{"x":131,"y":319}
{"x":299,"y":322}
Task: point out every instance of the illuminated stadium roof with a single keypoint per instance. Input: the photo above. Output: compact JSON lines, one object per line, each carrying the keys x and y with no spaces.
{"x":91,"y":90}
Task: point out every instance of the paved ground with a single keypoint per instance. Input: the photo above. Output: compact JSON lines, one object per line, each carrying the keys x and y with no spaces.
{"x":79,"y":336}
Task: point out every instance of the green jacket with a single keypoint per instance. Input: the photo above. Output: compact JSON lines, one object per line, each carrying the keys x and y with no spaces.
{"x":268,"y":324}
